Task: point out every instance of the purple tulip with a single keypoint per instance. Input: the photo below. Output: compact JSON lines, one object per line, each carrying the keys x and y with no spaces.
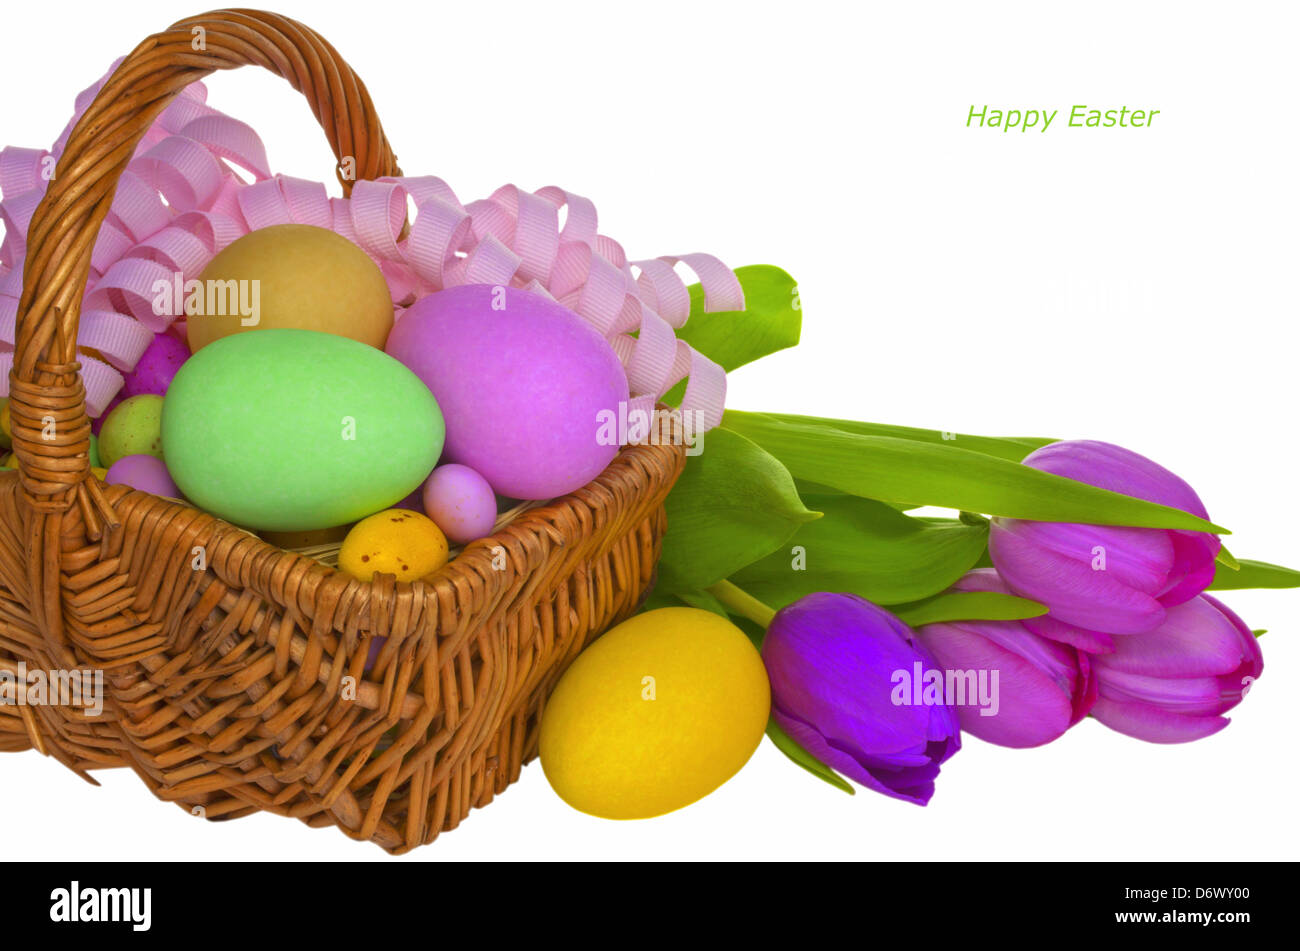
{"x":831,"y":659}
{"x":1040,"y":688}
{"x":1103,"y":578}
{"x":1175,"y":683}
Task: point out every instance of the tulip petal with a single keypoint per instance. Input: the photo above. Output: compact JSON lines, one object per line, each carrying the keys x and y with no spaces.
{"x":848,"y":765}
{"x":1072,"y":590}
{"x":988,"y":579}
{"x":1196,"y":640}
{"x":1193,"y":570}
{"x":1054,"y":629}
{"x":1112,"y":467}
{"x":1121,"y":470}
{"x":1253,"y":663}
{"x":1085,"y":689}
{"x":1032,"y":706}
{"x":831,"y":659}
{"x":1139,"y":558}
{"x":1195,"y":696}
{"x":1153,"y":724}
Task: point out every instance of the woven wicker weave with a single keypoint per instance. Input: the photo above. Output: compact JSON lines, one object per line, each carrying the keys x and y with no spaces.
{"x":225,"y":658}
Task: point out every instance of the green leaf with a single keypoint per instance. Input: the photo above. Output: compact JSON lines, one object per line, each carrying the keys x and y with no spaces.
{"x":1226,"y":559}
{"x":802,"y":757}
{"x":733,"y":504}
{"x":968,"y":606}
{"x":914,"y":472}
{"x":770,"y":322}
{"x":1254,"y":574}
{"x":867,"y":548}
{"x":1011,"y":448}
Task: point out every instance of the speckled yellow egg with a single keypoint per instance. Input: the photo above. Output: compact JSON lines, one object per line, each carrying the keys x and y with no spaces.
{"x":396,"y":542}
{"x":133,"y":428}
{"x":658,"y":713}
{"x":295,"y":276}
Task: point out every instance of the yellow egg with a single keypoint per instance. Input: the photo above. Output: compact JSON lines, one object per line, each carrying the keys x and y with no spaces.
{"x":297,"y":276}
{"x":656,"y":714}
{"x":99,"y":473}
{"x":393,"y":542}
{"x":6,"y":434}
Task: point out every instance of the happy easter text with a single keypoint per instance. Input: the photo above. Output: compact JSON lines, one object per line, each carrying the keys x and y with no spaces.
{"x":1040,"y":120}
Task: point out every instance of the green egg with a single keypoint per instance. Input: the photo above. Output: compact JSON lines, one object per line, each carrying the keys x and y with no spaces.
{"x":133,"y":428}
{"x":290,"y":430}
{"x":95,"y":462}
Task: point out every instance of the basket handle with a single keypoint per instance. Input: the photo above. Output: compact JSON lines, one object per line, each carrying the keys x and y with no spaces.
{"x":51,"y":431}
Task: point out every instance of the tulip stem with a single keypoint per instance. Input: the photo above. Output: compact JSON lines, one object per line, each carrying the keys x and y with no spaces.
{"x":738,"y":601}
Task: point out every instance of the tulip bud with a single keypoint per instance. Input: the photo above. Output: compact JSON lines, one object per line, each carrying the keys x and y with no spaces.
{"x":831,"y":660}
{"x":1174,"y":684}
{"x":1041,"y":687}
{"x":1106,"y":578}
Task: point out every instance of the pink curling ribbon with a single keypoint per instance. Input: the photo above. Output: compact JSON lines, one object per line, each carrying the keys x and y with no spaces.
{"x":181,"y":201}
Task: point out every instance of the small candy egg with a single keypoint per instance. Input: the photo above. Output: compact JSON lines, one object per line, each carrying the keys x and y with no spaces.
{"x":95,"y":462}
{"x":393,"y":542}
{"x":99,"y":472}
{"x":460,"y":502}
{"x":133,"y":428}
{"x":6,"y":436}
{"x":157,"y":365}
{"x":144,"y":472}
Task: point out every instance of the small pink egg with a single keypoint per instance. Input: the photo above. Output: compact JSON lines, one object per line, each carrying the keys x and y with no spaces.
{"x":460,"y":502}
{"x":157,"y":366}
{"x":143,"y":472}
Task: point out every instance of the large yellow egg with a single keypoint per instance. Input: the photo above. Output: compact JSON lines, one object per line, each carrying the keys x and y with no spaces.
{"x":656,"y":714}
{"x":396,"y":542}
{"x":306,"y":277}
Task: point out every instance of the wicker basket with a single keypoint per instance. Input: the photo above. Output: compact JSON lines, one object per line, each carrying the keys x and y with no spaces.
{"x":224,"y":684}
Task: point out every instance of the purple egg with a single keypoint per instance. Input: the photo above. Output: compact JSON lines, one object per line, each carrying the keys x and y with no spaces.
{"x":412,"y":502}
{"x":523,"y":383}
{"x":143,"y":472}
{"x":157,"y":365}
{"x":460,"y":502}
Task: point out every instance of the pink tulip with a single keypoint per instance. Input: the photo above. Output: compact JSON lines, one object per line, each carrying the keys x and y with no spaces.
{"x":1042,"y":687}
{"x":1174,"y":684}
{"x":1105,"y":578}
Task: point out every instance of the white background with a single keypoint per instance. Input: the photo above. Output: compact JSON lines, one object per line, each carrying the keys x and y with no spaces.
{"x":1134,"y":285}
